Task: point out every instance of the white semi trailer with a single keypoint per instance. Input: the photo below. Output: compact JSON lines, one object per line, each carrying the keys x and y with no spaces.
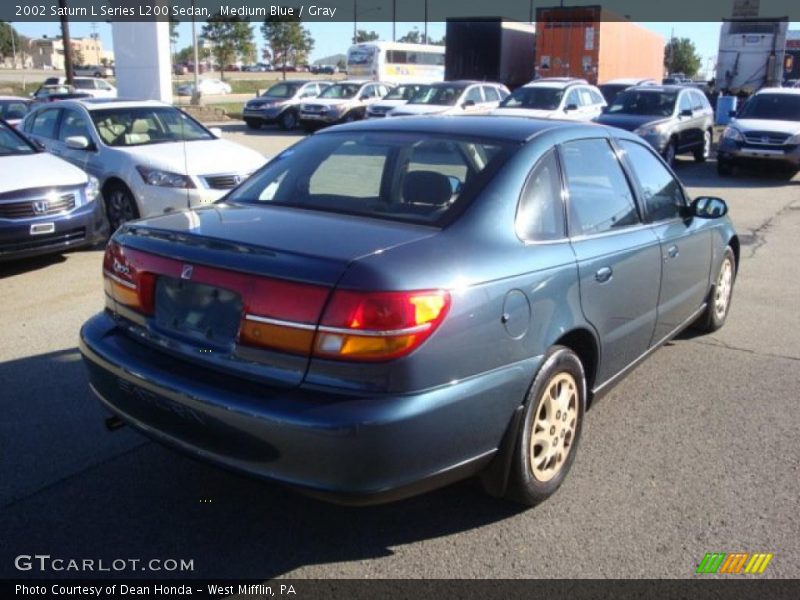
{"x":751,"y":53}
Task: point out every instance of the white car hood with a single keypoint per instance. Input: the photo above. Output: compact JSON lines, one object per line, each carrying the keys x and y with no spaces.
{"x":329,"y":101}
{"x":389,"y":103}
{"x":745,"y":125}
{"x":202,"y":157}
{"x":534,"y":113}
{"x":37,"y":171}
{"x":421,"y":109}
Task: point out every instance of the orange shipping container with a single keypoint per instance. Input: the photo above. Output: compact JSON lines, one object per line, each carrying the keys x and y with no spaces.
{"x":595,"y":44}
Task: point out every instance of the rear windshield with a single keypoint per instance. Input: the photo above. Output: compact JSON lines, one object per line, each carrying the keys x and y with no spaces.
{"x":631,"y":102}
{"x":413,"y":177}
{"x":779,"y":107}
{"x":542,"y":98}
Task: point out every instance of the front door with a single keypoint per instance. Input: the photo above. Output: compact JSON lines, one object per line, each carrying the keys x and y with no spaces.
{"x":685,"y":243}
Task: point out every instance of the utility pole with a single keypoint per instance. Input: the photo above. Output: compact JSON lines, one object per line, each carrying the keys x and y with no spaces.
{"x":196,"y":90}
{"x":65,"y":41}
{"x":96,"y":37}
{"x":355,"y":33}
{"x":425,"y":41}
{"x":394,"y":20}
{"x":13,"y":44}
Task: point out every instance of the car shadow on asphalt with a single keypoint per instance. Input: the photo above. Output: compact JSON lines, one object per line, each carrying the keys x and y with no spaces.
{"x":272,"y":130}
{"x":25,"y":265}
{"x":694,"y":174}
{"x":135,"y":498}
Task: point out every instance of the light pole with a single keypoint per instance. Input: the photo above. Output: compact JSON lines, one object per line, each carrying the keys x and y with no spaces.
{"x":394,"y":20}
{"x":195,"y":91}
{"x":425,"y":40}
{"x":13,"y":45}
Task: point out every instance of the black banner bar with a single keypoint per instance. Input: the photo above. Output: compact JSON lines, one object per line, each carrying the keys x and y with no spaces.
{"x":385,"y":10}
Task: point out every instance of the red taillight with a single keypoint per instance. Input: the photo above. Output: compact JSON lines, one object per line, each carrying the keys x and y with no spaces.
{"x":126,"y":282}
{"x":374,"y":326}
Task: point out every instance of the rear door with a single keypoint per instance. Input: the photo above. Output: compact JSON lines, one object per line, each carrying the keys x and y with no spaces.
{"x":475,"y":96}
{"x":685,"y":243}
{"x":619,"y":259}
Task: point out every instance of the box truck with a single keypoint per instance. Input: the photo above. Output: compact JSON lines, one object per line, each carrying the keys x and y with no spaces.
{"x":490,"y":49}
{"x":595,"y":44}
{"x":751,"y":55}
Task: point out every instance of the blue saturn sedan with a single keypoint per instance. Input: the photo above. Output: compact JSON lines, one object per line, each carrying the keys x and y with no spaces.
{"x":393,"y":305}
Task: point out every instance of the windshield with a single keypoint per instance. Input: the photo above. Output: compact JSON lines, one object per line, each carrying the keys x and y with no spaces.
{"x":658,"y":104}
{"x":405,"y":92}
{"x":340,"y":90}
{"x":542,"y":98}
{"x":777,"y":107}
{"x":12,"y":144}
{"x":138,"y":126}
{"x":280,"y":90}
{"x":444,"y":95}
{"x":13,"y":109}
{"x":414,"y":177}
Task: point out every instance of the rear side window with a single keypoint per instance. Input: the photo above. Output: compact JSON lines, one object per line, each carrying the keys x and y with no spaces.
{"x":44,"y":123}
{"x":540,"y":215}
{"x":661,"y":194}
{"x":600,"y":198}
{"x":491,"y":94}
{"x":474,"y":94}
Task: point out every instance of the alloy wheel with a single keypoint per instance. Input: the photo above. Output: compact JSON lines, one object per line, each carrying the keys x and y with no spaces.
{"x":554,"y":426}
{"x":723,"y":289}
{"x":119,"y":208}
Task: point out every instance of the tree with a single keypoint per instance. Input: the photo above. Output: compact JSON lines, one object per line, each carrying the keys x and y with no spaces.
{"x":415,"y":36}
{"x":289,"y":42}
{"x":365,"y":36}
{"x":77,"y":56}
{"x":680,"y":56}
{"x":7,"y":34}
{"x":229,"y":37}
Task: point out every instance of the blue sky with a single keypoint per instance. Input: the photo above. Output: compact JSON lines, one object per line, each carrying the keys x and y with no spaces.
{"x":333,"y":38}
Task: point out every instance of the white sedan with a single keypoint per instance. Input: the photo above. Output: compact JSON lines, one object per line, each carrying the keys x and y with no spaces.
{"x":206,"y":87}
{"x":149,"y":157}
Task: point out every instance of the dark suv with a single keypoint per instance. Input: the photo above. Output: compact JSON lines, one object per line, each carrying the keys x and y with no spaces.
{"x":280,"y":103}
{"x":673,"y":119}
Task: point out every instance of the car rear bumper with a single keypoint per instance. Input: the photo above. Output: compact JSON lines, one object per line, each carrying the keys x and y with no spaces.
{"x":81,"y":227}
{"x":352,"y":449}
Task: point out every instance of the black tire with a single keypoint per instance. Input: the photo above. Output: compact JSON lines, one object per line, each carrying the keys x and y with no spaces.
{"x":253,"y":124}
{"x":350,"y":117}
{"x":288,"y":120}
{"x":120,"y":205}
{"x":701,"y":154}
{"x":534,"y":478}
{"x":670,"y":152}
{"x":714,"y":317}
{"x":724,"y":167}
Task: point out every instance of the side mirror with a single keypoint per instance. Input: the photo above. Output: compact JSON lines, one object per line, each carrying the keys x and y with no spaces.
{"x":78,"y":142}
{"x":364,"y":97}
{"x":467,"y":103}
{"x":732,"y":113}
{"x":570,"y":107}
{"x":604,"y":109}
{"x":216,"y":132}
{"x":687,"y":112}
{"x":708,"y":207}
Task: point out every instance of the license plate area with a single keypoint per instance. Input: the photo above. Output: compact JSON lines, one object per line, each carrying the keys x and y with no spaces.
{"x":200,"y":313}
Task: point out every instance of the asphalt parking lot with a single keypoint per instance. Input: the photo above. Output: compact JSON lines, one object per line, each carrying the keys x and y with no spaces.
{"x":697,"y":451}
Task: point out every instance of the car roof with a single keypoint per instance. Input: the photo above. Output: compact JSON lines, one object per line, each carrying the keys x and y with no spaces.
{"x":501,"y":128}
{"x":777,"y":90}
{"x":660,"y":88}
{"x":91,"y":104}
{"x":556,"y":82}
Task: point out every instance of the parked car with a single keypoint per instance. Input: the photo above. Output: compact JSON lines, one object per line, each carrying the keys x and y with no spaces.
{"x":392,"y":305}
{"x":180,"y":69}
{"x":149,"y":157}
{"x":93,"y":71}
{"x":329,"y":69}
{"x":673,"y":119}
{"x":46,"y":204}
{"x":453,"y":98}
{"x":14,"y":109}
{"x":396,"y":97}
{"x":281,"y":103}
{"x":611,"y":88}
{"x":207,"y":87}
{"x":53,"y":93}
{"x":342,"y":102}
{"x":766,"y":130}
{"x":554,"y":98}
{"x":93,"y":86}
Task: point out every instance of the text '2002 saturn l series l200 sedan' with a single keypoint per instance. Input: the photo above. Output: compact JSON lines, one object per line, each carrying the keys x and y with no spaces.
{"x":392,"y":305}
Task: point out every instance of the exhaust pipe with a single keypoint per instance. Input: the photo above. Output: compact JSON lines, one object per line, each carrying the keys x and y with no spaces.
{"x":113,"y":423}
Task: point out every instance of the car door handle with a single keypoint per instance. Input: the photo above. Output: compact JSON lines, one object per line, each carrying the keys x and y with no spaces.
{"x":603,"y":274}
{"x":672,"y":252}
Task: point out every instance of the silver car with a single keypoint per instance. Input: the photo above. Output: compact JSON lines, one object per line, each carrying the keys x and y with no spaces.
{"x":281,"y":103}
{"x":149,"y":157}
